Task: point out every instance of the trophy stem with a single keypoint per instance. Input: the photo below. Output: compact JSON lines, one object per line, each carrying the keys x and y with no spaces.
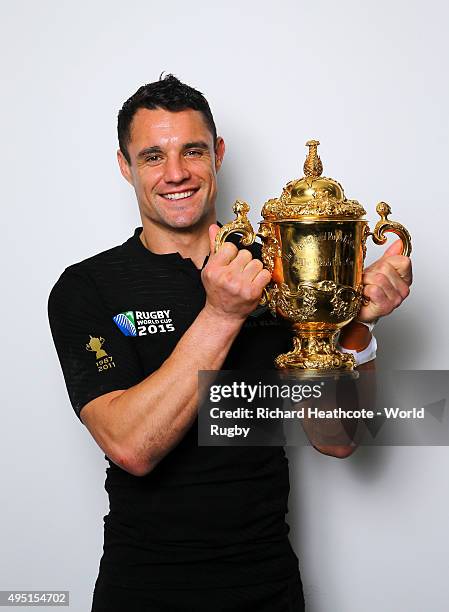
{"x":315,"y":350}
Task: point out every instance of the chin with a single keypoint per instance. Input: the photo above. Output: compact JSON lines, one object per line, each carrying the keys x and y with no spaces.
{"x":186,"y":222}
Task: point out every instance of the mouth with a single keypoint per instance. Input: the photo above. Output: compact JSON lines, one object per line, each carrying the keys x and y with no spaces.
{"x":178,"y":195}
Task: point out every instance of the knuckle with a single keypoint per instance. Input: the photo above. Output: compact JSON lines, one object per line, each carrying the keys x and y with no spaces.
{"x":228,"y":278}
{"x":231,"y":283}
{"x":232,"y":289}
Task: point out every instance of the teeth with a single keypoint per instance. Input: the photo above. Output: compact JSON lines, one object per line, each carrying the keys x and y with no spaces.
{"x":178,"y":196}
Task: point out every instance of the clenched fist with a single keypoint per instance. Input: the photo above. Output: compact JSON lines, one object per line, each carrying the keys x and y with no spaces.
{"x":233,"y":280}
{"x":386,"y":283}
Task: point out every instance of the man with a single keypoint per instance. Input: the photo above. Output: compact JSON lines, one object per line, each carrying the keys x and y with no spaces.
{"x":189,"y":528}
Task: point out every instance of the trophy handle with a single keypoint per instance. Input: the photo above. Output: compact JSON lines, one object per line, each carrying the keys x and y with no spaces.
{"x":384,"y":225}
{"x":240,"y":225}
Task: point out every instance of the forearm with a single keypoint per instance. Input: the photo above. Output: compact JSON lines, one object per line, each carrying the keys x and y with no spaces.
{"x":142,"y":424}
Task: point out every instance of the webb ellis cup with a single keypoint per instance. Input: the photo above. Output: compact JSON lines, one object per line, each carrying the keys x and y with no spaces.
{"x":314,"y":245}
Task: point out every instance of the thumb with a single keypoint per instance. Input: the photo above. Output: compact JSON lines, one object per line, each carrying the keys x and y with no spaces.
{"x":213,"y":231}
{"x":394,"y":249}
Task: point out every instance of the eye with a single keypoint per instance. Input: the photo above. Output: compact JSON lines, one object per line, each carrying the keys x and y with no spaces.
{"x":193,"y":153}
{"x":154,"y":158}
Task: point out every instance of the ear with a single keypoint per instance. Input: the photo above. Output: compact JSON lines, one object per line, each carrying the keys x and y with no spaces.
{"x":219,"y":152}
{"x":124,"y":167}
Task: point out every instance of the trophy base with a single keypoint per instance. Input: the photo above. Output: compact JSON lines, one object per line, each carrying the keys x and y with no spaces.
{"x":315,"y":351}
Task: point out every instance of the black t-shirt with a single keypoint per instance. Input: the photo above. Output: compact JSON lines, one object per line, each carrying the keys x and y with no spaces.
{"x":205,"y":516}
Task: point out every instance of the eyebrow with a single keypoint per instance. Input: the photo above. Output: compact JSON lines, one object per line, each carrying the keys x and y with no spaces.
{"x":197,"y":144}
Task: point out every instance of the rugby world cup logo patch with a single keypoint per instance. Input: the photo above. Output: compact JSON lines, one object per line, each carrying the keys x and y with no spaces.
{"x":144,"y":322}
{"x":126,"y":323}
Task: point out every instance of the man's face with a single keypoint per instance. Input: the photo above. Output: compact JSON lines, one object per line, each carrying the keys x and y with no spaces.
{"x":173,"y":167}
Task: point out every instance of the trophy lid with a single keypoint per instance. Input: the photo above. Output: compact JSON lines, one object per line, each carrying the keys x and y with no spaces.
{"x":313,"y":196}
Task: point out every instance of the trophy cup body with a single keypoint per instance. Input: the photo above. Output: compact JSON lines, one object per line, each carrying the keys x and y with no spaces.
{"x":314,"y":245}
{"x":316,"y":285}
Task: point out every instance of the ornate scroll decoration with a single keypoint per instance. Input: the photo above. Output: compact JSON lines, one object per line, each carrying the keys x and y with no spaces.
{"x":315,"y":353}
{"x":346,"y":301}
{"x":323,"y":205}
{"x":270,"y":246}
{"x":301,"y":305}
{"x":286,"y":301}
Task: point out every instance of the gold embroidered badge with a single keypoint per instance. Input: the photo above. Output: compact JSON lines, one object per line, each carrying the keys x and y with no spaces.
{"x":94,"y":346}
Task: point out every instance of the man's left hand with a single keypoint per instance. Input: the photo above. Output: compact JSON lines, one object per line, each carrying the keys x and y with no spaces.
{"x":386,"y":283}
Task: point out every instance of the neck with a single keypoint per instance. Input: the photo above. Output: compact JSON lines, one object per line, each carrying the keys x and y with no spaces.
{"x":190,"y":243}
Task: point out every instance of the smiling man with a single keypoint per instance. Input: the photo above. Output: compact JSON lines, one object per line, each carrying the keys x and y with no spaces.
{"x":189,"y":528}
{"x":171,"y":159}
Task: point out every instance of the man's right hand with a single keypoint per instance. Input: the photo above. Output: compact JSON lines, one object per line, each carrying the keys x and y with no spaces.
{"x":233,"y":280}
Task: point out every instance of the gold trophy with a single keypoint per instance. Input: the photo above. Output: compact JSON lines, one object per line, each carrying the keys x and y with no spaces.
{"x":314,"y":245}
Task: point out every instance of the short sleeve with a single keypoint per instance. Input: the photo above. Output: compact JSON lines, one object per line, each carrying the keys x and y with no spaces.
{"x":96,"y":358}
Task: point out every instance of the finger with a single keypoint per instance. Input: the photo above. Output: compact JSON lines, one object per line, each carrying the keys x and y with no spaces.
{"x":394,"y":249}
{"x":393,"y":266}
{"x":226,"y":252}
{"x":241,"y":260}
{"x":259,"y":282}
{"x":400,"y":284}
{"x":393,"y":285}
{"x":375,"y":279}
{"x":251,"y":270}
{"x":403,"y":266}
{"x":213,"y":231}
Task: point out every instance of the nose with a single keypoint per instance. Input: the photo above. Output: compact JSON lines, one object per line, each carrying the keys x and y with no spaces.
{"x":176,"y":170}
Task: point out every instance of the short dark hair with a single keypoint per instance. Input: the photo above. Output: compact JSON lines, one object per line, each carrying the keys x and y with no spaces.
{"x":169,"y":94}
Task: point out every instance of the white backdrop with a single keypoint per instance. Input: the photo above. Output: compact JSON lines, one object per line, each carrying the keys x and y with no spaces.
{"x":369,"y":80}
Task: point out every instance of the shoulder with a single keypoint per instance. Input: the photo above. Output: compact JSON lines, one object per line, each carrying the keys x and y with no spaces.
{"x":78,"y":283}
{"x":84,"y":273}
{"x":108,"y":258}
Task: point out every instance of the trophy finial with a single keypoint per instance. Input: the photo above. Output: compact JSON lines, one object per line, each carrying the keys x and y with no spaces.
{"x":313,"y":166}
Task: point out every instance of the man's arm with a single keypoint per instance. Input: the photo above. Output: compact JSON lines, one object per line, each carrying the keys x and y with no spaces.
{"x":137,"y":427}
{"x":386,"y":284}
